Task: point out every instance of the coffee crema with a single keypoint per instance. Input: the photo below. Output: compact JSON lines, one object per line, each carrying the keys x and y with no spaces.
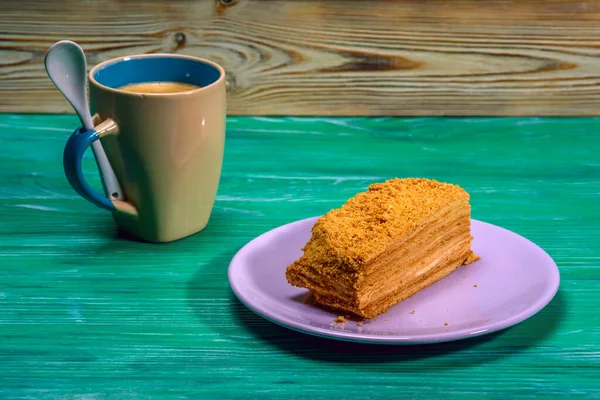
{"x":158,"y":87}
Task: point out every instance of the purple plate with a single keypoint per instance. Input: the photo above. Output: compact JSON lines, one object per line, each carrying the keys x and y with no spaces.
{"x":513,"y":280}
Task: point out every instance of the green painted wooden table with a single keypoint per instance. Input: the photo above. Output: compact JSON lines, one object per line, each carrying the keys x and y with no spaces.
{"x":85,"y":314}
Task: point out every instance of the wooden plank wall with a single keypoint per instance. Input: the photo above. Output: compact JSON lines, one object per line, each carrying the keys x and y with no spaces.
{"x":349,"y":57}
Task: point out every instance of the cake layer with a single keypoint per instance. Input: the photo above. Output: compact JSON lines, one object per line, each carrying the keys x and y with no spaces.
{"x":367,"y":224}
{"x":385,"y":245}
{"x":400,"y":265}
{"x":418,"y":253}
{"x":437,"y":272}
{"x":407,"y":263}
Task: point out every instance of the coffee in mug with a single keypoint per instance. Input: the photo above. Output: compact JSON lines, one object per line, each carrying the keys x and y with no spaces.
{"x":159,"y":87}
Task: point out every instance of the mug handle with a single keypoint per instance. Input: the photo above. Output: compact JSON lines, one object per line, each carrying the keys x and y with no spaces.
{"x":78,"y":143}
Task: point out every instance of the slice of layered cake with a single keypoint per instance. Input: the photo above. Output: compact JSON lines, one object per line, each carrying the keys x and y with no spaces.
{"x":385,"y":244}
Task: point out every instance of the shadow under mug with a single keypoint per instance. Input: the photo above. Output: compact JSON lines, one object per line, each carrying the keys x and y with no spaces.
{"x":166,"y":149}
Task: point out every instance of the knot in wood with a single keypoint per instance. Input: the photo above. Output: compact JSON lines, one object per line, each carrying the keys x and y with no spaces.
{"x":180,"y":38}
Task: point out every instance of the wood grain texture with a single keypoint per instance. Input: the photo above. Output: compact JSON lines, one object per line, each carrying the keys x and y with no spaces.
{"x":85,"y":314}
{"x":296,"y":57}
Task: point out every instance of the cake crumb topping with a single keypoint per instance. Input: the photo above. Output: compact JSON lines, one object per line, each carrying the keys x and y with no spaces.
{"x":369,"y":221}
